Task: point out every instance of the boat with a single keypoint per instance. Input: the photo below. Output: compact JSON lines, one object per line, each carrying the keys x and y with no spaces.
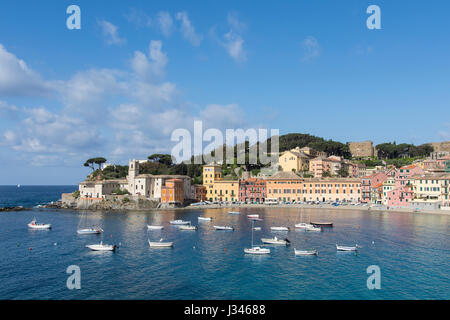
{"x":160,"y":244}
{"x":189,"y":227}
{"x":275,"y":240}
{"x":305,"y":252}
{"x":313,"y":229}
{"x":179,"y":222}
{"x":34,"y":225}
{"x":256,"y":250}
{"x":253,"y":216}
{"x":257,"y":228}
{"x":322,"y":224}
{"x":150,"y":227}
{"x":234,"y":212}
{"x":256,"y":219}
{"x":279,"y":228}
{"x":102,"y":247}
{"x":344,"y":248}
{"x":303,"y":225}
{"x":18,"y":186}
{"x":93,"y":230}
{"x":204,"y":218}
{"x":223,"y":228}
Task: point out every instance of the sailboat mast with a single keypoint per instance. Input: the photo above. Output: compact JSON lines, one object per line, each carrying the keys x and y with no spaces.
{"x":253,"y":224}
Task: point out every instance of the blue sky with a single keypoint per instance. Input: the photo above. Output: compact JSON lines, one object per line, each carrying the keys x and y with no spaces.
{"x":137,"y":70}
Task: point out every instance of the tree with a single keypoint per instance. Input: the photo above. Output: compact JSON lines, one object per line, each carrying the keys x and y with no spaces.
{"x":326,"y":174}
{"x":342,"y":172}
{"x":92,"y":161}
{"x":161,"y":158}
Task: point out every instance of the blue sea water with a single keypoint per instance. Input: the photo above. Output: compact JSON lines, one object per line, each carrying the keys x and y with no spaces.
{"x":412,"y":251}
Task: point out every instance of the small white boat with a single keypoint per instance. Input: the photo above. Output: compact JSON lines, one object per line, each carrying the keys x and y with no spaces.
{"x":179,"y":222}
{"x":160,"y":244}
{"x":102,"y":247}
{"x":234,"y":212}
{"x":34,"y":225}
{"x":189,"y":227}
{"x":279,"y":229}
{"x":313,"y":229}
{"x":344,"y":248}
{"x":257,"y":250}
{"x":204,"y":218}
{"x":150,"y":227}
{"x":305,"y":252}
{"x":253,"y":216}
{"x":255,"y":219}
{"x":275,"y":240}
{"x":93,"y":230}
{"x":303,"y":225}
{"x":257,"y":228}
{"x":223,"y":228}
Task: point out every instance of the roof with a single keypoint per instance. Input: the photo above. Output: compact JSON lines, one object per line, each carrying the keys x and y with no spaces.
{"x":288,"y":175}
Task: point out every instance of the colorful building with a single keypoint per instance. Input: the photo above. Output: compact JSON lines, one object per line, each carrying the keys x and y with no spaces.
{"x":400,"y":197}
{"x":252,"y":190}
{"x":200,"y":192}
{"x":217,"y":188}
{"x":370,"y":187}
{"x":173,"y":191}
{"x":284,"y":186}
{"x":294,"y":160}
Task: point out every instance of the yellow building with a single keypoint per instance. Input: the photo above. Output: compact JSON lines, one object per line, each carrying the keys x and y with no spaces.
{"x":218,"y":189}
{"x":293,"y":160}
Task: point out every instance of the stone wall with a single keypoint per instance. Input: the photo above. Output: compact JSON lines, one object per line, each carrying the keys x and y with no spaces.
{"x":441,"y":146}
{"x":361,"y":149}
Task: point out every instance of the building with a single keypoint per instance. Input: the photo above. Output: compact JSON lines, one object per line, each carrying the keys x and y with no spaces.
{"x":173,"y":191}
{"x":218,"y":189}
{"x":318,"y":166}
{"x":252,"y":190}
{"x":363,"y":149}
{"x":99,"y":189}
{"x":294,"y":160}
{"x":372,"y":186}
{"x":399,"y":197}
{"x":429,"y":188}
{"x":200,"y":192}
{"x":402,"y":175}
{"x":388,"y":186}
{"x":283,"y":186}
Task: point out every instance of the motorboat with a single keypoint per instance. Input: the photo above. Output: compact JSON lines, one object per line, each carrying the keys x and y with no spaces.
{"x":179,"y":222}
{"x":150,"y":227}
{"x":92,"y":230}
{"x":257,"y":228}
{"x":279,"y":228}
{"x":313,"y":229}
{"x":305,"y":252}
{"x":322,"y":224}
{"x":253,"y":216}
{"x":275,"y":240}
{"x":257,"y":250}
{"x":34,"y":225}
{"x":344,"y":248}
{"x":223,"y":228}
{"x":160,"y":244}
{"x":102,"y":247}
{"x":204,"y":218}
{"x":303,"y":225}
{"x":234,"y":212}
{"x":188,"y":227}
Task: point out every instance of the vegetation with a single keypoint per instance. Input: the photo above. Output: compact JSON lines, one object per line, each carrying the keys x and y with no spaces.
{"x":342,"y":172}
{"x":120,"y":192}
{"x":92,"y":161}
{"x":110,"y":173}
{"x":76,"y":194}
{"x":391,"y":150}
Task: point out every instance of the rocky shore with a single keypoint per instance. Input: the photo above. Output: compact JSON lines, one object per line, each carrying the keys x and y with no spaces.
{"x":9,"y":209}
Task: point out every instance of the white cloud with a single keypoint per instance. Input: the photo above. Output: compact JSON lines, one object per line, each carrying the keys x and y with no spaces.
{"x":155,"y":68}
{"x":311,"y":48}
{"x":17,"y":79}
{"x":165,"y":23}
{"x":233,"y":41}
{"x":110,"y":32}
{"x":188,"y":29}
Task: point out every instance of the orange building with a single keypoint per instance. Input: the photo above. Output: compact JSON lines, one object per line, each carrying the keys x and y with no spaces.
{"x":173,"y":191}
{"x":200,"y":192}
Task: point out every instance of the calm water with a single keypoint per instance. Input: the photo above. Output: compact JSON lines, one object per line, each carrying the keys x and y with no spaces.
{"x":412,"y":250}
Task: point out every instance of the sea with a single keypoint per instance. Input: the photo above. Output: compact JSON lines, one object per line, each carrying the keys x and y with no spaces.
{"x":408,"y":254}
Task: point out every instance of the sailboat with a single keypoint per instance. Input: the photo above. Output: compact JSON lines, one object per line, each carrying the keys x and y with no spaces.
{"x":256,"y":250}
{"x":88,"y":230}
{"x":302,"y":225}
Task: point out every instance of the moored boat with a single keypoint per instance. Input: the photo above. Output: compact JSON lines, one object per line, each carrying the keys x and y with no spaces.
{"x":204,"y":218}
{"x":179,"y":222}
{"x":279,"y":228}
{"x":344,"y":248}
{"x":102,"y":247}
{"x":92,"y":230}
{"x":257,"y":250}
{"x":253,"y":216}
{"x":234,"y":212}
{"x":313,"y":229}
{"x":188,"y":227}
{"x":160,"y":244}
{"x":223,"y":228}
{"x":275,"y":240}
{"x":305,"y":252}
{"x":322,"y":224}
{"x":34,"y":225}
{"x":303,"y":225}
{"x":150,"y":227}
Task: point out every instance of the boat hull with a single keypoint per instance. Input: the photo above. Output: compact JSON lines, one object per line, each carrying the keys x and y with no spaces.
{"x":305,"y":252}
{"x":193,"y":228}
{"x":273,"y":241}
{"x":155,"y":227}
{"x":179,"y":222}
{"x":257,"y":251}
{"x":160,"y":244}
{"x":89,"y":231}
{"x":100,"y":247}
{"x":322,"y":224}
{"x":285,"y":229}
{"x":223,"y":228}
{"x":344,"y":248}
{"x":39,"y":226}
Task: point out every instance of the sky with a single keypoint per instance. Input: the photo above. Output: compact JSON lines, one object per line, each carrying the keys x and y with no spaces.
{"x":137,"y":70}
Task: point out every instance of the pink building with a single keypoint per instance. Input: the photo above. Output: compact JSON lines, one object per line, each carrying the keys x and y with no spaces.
{"x":400,"y":197}
{"x":370,"y":186}
{"x":403,"y":174}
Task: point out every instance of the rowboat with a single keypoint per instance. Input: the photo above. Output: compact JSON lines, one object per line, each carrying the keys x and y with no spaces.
{"x":305,"y":252}
{"x":313,"y":229}
{"x":150,"y":227}
{"x":234,"y":212}
{"x":204,"y":218}
{"x":275,"y":240}
{"x":179,"y":222}
{"x":322,"y":224}
{"x":303,"y":225}
{"x":160,"y":244}
{"x":188,"y":227}
{"x":279,"y":229}
{"x":344,"y":248}
{"x":93,"y":230}
{"x":257,"y":250}
{"x":102,"y":247}
{"x":253,"y":216}
{"x":34,"y":225}
{"x":223,"y":228}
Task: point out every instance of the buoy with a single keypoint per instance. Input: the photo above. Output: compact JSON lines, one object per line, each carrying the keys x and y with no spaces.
{"x":55,"y":244}
{"x":29,"y":249}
